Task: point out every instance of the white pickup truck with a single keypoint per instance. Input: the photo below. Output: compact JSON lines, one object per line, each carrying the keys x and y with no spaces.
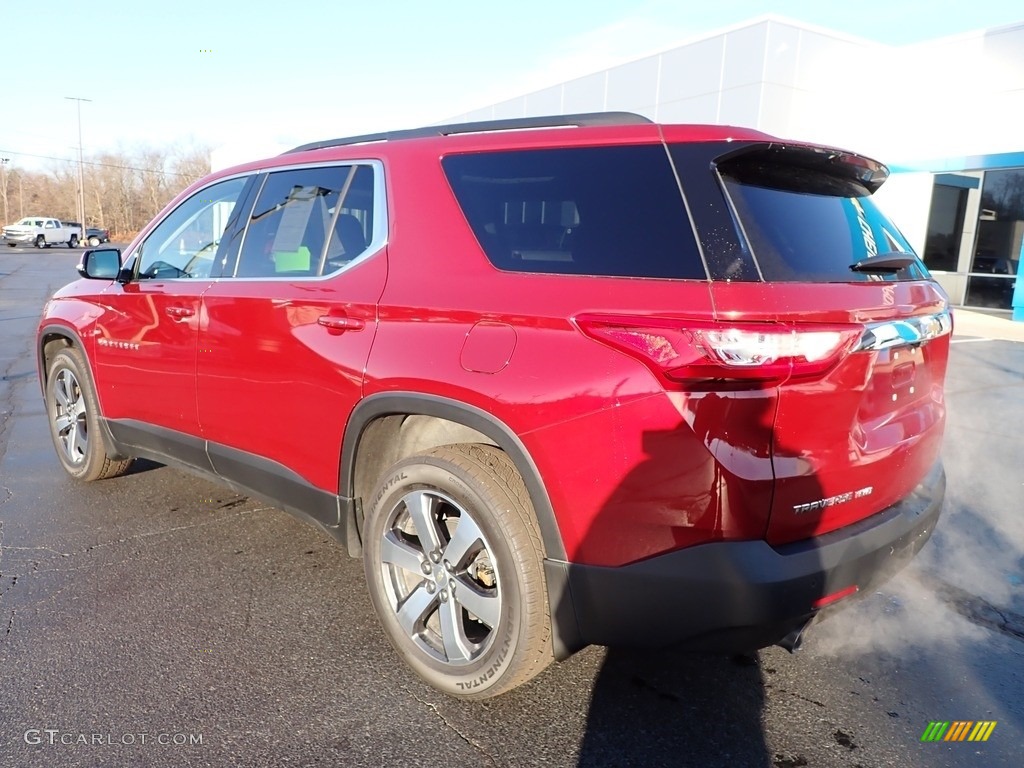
{"x":42,"y":232}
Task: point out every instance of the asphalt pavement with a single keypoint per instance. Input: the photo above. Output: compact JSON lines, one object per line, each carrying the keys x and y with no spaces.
{"x":160,"y":620}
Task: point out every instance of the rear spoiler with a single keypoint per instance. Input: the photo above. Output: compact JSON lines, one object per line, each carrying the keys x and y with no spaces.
{"x":779,"y":164}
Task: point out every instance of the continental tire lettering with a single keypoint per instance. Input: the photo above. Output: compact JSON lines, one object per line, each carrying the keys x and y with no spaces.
{"x":490,"y":671}
{"x":456,"y":482}
{"x":387,"y":487}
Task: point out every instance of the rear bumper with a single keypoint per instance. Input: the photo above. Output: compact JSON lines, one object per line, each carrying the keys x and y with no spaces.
{"x":736,"y":596}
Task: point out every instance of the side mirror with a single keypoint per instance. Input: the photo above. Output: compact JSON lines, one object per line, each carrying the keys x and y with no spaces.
{"x":101,"y":264}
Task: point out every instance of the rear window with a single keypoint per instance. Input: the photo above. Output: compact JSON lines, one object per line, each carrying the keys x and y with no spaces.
{"x":808,"y":224}
{"x":613,"y":211}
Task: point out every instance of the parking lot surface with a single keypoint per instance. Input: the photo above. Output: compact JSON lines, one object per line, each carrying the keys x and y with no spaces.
{"x":161,"y":620}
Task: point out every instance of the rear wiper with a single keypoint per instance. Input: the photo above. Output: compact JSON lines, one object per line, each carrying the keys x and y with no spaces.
{"x":885,"y":263}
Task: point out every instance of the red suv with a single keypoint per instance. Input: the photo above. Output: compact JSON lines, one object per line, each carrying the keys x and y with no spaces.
{"x":558,"y":381}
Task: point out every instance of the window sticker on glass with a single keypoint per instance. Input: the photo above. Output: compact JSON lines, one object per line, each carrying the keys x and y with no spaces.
{"x":294,"y":217}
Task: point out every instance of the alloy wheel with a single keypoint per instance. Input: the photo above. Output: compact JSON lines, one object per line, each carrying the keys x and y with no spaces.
{"x":69,"y":417}
{"x":440,"y":577}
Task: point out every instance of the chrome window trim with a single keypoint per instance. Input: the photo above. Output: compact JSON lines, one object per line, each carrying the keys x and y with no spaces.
{"x":905,"y":332}
{"x":378,"y":239}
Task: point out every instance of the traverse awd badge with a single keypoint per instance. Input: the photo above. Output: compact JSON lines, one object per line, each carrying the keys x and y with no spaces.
{"x":832,"y":501}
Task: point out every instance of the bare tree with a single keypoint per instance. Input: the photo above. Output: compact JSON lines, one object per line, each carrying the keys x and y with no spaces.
{"x":124,"y":189}
{"x":190,"y":164}
{"x":4,"y":180}
{"x":152,"y":180}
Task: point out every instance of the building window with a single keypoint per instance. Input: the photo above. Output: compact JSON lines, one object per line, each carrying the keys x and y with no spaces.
{"x":945,"y":228}
{"x":1000,"y":238}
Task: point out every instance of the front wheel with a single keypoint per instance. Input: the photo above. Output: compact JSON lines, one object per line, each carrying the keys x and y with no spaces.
{"x":453,"y":561}
{"x":74,"y":420}
{"x":40,"y":241}
{"x":94,"y":241}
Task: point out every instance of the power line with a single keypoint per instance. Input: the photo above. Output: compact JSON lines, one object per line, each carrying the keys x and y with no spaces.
{"x":91,"y":162}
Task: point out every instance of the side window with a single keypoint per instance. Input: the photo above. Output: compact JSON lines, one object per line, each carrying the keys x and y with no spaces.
{"x":309,"y":222}
{"x":613,"y":211}
{"x":49,"y":224}
{"x":185,"y":243}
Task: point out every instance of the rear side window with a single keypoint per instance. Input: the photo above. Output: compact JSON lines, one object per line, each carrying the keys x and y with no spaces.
{"x":806,"y":224}
{"x":613,"y":211}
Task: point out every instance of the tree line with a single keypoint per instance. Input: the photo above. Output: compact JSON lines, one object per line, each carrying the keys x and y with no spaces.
{"x":123,"y":190}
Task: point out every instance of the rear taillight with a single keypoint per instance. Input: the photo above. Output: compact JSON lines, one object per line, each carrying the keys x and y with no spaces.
{"x":686,"y":351}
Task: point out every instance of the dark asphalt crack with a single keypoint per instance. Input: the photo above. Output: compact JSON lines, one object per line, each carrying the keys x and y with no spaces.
{"x":470,"y":741}
{"x":978,"y":610}
{"x":796,"y":695}
{"x":174,"y":529}
{"x":37,"y":571}
{"x":116,"y":542}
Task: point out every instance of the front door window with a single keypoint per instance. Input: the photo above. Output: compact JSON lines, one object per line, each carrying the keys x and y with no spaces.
{"x":185,"y":243}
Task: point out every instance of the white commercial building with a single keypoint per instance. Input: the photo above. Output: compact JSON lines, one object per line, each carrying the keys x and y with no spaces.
{"x":946,"y":115}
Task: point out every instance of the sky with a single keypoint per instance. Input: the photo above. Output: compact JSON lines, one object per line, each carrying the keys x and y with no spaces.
{"x":258,"y":73}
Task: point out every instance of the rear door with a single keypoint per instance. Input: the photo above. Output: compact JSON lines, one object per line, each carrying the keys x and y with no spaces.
{"x":287,"y":330}
{"x":860,"y":411}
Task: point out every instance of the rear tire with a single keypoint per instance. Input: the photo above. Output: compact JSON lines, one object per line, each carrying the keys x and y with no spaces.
{"x":74,"y":416}
{"x":94,"y":241}
{"x":73,"y":242}
{"x":453,"y":562}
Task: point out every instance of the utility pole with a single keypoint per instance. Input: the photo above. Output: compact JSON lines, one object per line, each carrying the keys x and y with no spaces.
{"x":81,"y":174}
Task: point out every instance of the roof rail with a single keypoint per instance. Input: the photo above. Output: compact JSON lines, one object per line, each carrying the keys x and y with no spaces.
{"x":517,"y":123}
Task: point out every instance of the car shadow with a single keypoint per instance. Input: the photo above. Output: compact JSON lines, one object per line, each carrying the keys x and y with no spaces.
{"x":140,"y":466}
{"x":665,"y":708}
{"x":654,"y":706}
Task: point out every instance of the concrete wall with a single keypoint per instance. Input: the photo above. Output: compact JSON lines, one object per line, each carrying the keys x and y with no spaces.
{"x":955,"y":96}
{"x":931,"y":105}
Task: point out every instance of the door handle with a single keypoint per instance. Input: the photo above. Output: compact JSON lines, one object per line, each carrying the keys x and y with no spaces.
{"x":179,"y":313}
{"x":341,"y":323}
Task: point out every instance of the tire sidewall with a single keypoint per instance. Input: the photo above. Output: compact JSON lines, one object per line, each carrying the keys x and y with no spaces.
{"x":476,"y":678}
{"x":95,"y":454}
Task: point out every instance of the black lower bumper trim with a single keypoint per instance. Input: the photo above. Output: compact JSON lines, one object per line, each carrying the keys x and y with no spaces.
{"x":742,"y":595}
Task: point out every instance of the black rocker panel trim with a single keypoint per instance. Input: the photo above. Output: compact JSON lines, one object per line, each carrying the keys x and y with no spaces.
{"x":271,"y":480}
{"x":242,"y":471}
{"x":168,"y":446}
